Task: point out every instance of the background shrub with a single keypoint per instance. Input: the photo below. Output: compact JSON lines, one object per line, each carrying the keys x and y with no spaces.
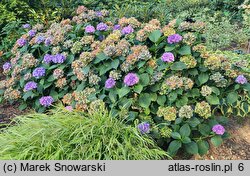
{"x":219,"y":15}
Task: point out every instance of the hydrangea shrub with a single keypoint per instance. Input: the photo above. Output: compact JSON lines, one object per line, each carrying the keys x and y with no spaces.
{"x":159,"y":75}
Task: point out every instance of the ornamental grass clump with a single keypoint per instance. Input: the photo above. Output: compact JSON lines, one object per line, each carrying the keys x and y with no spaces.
{"x":158,"y":74}
{"x":69,"y":135}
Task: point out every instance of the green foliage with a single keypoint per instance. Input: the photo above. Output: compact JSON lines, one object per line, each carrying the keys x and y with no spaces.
{"x":64,"y":135}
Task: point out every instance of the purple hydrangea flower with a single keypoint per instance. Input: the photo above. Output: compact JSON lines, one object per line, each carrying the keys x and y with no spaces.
{"x":21,"y":42}
{"x":32,"y":33}
{"x":127,"y":30}
{"x":26,"y":26}
{"x":89,"y":29}
{"x":38,"y":72}
{"x":58,"y":58}
{"x":110,"y":83}
{"x":40,"y":39}
{"x":117,"y":27}
{"x":6,"y":66}
{"x":101,"y":37}
{"x":98,"y":13}
{"x":144,"y":127}
{"x":102,"y":27}
{"x":175,"y":38}
{"x":69,"y":108}
{"x":48,"y":41}
{"x":131,"y":79}
{"x":47,"y":58}
{"x":46,"y":101}
{"x":167,"y":57}
{"x":218,"y":129}
{"x":241,"y":79}
{"x":30,"y":86}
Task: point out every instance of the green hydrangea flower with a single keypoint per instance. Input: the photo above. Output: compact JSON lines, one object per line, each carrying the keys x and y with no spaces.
{"x":186,"y":111}
{"x":206,"y":90}
{"x":203,"y":109}
{"x":168,"y":113}
{"x":189,"y":60}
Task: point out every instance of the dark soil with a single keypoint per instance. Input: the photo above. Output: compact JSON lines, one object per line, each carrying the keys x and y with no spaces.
{"x":8,"y":112}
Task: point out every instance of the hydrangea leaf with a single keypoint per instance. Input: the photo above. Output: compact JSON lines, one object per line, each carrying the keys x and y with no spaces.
{"x":215,"y":90}
{"x":193,"y":122}
{"x":175,"y":135}
{"x":172,"y":96}
{"x":213,"y":100}
{"x":185,"y":130}
{"x":27,"y":95}
{"x":100,"y":57}
{"x":192,"y":147}
{"x":178,"y":66}
{"x":161,"y":100}
{"x":203,"y":147}
{"x":115,"y":63}
{"x":22,"y":106}
{"x":203,"y":78}
{"x":144,"y":79}
{"x":185,"y":50}
{"x":169,"y":48}
{"x":216,"y":141}
{"x":204,"y":129}
{"x":186,"y":140}
{"x":232,"y":97}
{"x":181,"y":102}
{"x":174,"y":146}
{"x":138,"y":88}
{"x":155,"y":36}
{"x":145,"y":100}
{"x":123,"y":91}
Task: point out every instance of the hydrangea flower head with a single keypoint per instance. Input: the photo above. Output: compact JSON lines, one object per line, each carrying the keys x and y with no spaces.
{"x":241,"y":79}
{"x":21,"y":42}
{"x":30,"y":86}
{"x":98,"y":13}
{"x":175,"y":38}
{"x":38,"y":72}
{"x":69,"y":108}
{"x":167,"y":57}
{"x":48,"y":41}
{"x":144,"y":127}
{"x":131,"y":79}
{"x":46,"y":101}
{"x":32,"y":33}
{"x":89,"y":29}
{"x":117,"y":27}
{"x":110,"y":83}
{"x":26,"y":26}
{"x":58,"y":58}
{"x":47,"y":58}
{"x":6,"y":66}
{"x":102,"y":27}
{"x":127,"y":30}
{"x":218,"y":129}
{"x":39,"y":39}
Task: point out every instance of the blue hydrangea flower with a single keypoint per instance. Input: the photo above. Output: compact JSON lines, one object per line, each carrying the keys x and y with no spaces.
{"x":58,"y":59}
{"x":46,"y":101}
{"x":102,"y":27}
{"x":144,"y":127}
{"x":38,"y":72}
{"x":30,"y":86}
